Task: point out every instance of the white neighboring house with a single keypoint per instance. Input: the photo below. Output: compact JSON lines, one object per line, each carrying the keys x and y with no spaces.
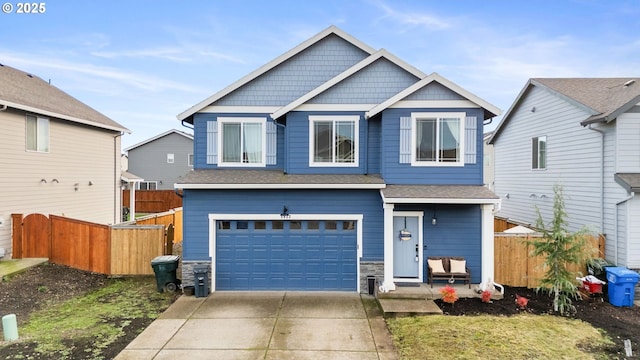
{"x":60,"y":156}
{"x":583,"y":134}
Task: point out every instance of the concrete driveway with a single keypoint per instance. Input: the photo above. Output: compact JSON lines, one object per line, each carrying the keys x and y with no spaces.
{"x":266,"y":325}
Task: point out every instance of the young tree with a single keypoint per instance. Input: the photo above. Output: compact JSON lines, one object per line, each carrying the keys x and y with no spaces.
{"x":559,"y":249}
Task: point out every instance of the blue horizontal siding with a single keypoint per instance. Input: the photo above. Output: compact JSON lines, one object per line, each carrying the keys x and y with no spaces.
{"x":458,"y":232}
{"x":200,"y":140}
{"x":394,"y":172}
{"x":198,"y":204}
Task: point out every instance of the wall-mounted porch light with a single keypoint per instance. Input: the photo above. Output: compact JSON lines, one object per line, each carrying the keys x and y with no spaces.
{"x":434,"y":219}
{"x":285,"y":212}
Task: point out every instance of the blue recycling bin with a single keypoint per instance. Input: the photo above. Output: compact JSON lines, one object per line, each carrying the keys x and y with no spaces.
{"x":622,"y":283}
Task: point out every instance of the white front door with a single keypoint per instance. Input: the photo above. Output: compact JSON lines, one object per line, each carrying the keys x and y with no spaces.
{"x":407,"y":246}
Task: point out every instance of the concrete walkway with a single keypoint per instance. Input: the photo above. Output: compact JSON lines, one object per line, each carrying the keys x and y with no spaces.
{"x":266,"y":325}
{"x":15,"y":266}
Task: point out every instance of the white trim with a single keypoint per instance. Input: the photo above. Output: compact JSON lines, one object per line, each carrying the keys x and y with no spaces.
{"x":487,"y":268}
{"x":426,"y":81}
{"x":461,"y":116}
{"x":242,"y":120}
{"x":239,"y":109}
{"x":213,"y":218}
{"x":439,"y":201}
{"x":273,"y":63}
{"x":333,"y":119}
{"x":278,"y":186}
{"x":420,"y":216}
{"x":388,"y":284}
{"x":434,"y":104}
{"x":63,"y":117}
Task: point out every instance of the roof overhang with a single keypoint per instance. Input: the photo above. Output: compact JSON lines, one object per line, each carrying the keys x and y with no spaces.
{"x":439,"y":194}
{"x":63,"y":116}
{"x":629,"y":181}
{"x":282,"y":186}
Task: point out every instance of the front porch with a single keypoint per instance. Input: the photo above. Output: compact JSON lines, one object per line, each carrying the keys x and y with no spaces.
{"x":419,"y":299}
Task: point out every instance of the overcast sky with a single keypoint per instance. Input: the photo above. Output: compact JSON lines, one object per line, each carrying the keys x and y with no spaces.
{"x":143,"y":62}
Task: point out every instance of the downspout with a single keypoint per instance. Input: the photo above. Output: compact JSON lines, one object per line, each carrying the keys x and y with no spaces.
{"x":615,"y":243}
{"x":185,"y":125}
{"x":601,"y":177}
{"x":116,"y":178}
{"x":285,"y":157}
{"x":366,"y":147}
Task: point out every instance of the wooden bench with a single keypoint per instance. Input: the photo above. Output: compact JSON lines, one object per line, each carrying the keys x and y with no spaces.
{"x":447,"y":274}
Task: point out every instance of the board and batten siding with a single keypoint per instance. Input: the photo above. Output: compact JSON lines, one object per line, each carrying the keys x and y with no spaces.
{"x":78,"y":155}
{"x":573,"y":161}
{"x":198,"y":204}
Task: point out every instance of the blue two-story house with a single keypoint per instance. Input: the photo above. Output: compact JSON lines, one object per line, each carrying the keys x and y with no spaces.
{"x":333,"y":163}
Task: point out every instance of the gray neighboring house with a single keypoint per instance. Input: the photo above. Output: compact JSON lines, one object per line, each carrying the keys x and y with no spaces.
{"x":59,"y":156}
{"x":161,"y":160}
{"x":584,"y":134}
{"x":488,"y":158}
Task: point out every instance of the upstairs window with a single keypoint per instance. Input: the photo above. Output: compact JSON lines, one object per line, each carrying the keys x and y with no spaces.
{"x":242,"y":141}
{"x":437,"y":139}
{"x":37,"y":133}
{"x":170,"y":158}
{"x":333,"y":140}
{"x":539,"y":153}
{"x":190,"y":160}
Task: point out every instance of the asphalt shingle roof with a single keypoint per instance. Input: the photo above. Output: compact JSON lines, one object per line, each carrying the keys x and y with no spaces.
{"x":478,"y":192}
{"x":604,"y":95}
{"x":28,"y":92}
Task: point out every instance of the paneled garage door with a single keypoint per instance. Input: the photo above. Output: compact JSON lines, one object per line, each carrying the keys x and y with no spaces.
{"x":286,"y":255}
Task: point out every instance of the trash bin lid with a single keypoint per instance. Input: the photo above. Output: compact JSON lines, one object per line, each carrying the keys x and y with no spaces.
{"x":622,"y":272}
{"x":165,"y":259}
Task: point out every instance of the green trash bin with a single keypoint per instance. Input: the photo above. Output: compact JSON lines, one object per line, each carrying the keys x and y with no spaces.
{"x":165,"y":269}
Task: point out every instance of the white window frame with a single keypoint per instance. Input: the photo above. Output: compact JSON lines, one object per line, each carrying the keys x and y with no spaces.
{"x":146,"y":185}
{"x":334,"y":118}
{"x":537,"y":140}
{"x":242,"y":120}
{"x":171,"y":158}
{"x":43,"y":131}
{"x":190,"y":160}
{"x":461,"y":116}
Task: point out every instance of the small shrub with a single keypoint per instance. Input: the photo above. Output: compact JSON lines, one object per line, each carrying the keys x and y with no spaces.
{"x":486,"y":296}
{"x":449,"y":295}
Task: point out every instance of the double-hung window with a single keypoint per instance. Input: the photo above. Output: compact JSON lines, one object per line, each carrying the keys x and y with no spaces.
{"x":37,"y":133}
{"x":333,"y":140}
{"x":437,"y":139}
{"x":241,"y":141}
{"x":539,"y":153}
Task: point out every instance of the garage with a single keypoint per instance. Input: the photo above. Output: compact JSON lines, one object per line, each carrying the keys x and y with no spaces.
{"x":286,"y":254}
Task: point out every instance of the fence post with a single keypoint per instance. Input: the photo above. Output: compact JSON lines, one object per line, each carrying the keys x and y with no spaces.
{"x":16,"y":220}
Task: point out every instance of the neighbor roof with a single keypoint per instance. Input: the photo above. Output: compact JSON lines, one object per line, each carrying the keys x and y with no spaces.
{"x":603,"y":98}
{"x":30,"y":93}
{"x":630,"y":181}
{"x":172,"y":131}
{"x":273,"y":179}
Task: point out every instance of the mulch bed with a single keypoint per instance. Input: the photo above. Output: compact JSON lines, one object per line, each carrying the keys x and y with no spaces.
{"x":620,"y":323}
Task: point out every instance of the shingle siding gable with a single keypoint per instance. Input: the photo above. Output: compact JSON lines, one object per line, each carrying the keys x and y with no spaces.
{"x":298,"y":75}
{"x":435,"y":91}
{"x":372,"y":85}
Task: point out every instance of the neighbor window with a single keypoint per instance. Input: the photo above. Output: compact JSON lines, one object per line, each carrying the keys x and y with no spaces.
{"x":37,"y":133}
{"x":333,"y":140}
{"x":437,"y":139}
{"x":147,"y":185}
{"x":242,"y":141}
{"x":539,"y":152}
{"x":170,"y":158}
{"x":190,"y":160}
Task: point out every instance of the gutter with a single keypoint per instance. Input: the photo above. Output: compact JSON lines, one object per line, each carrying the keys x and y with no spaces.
{"x":3,"y":108}
{"x":601,"y":175}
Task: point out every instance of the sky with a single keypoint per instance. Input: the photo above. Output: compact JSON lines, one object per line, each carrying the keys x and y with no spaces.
{"x":143,"y":62}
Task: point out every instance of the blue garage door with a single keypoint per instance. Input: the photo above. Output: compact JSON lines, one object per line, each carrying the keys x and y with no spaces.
{"x":286,"y":255}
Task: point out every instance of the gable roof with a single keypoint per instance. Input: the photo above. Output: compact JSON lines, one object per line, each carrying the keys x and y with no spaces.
{"x":272,"y":64}
{"x":172,"y":131}
{"x":489,"y":110}
{"x":23,"y":91}
{"x":603,"y":98}
{"x":382,"y":53}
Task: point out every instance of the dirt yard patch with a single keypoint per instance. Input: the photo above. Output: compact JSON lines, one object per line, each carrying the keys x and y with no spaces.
{"x":47,"y":286}
{"x":619,"y":323}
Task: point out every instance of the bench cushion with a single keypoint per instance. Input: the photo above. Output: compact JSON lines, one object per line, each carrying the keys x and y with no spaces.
{"x":458,"y":266}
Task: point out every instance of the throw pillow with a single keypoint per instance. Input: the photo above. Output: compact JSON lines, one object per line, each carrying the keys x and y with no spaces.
{"x":458,"y":266}
{"x":436,"y":265}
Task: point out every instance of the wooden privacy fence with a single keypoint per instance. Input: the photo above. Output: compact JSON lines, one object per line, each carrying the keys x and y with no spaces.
{"x":171,"y":217}
{"x":514,"y":266}
{"x":152,"y":201}
{"x":113,"y":250}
